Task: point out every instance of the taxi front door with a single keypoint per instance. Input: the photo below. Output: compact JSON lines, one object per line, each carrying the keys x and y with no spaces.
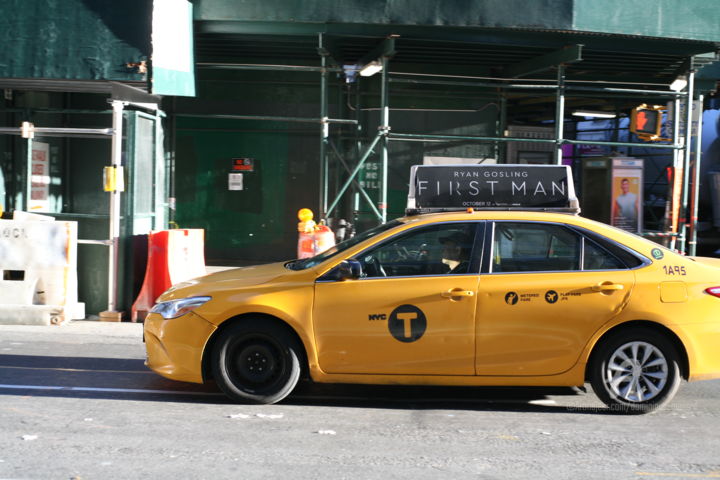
{"x":405,"y":324}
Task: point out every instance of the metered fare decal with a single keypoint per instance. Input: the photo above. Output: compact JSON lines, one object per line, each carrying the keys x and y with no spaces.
{"x":407,"y":323}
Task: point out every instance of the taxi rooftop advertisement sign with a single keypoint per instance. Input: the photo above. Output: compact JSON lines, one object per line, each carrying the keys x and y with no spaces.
{"x":492,"y":187}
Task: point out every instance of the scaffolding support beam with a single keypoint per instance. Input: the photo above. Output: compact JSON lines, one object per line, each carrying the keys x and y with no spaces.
{"x":355,"y":171}
{"x":692,"y":243}
{"x":328,"y":48}
{"x":568,"y":87}
{"x":324,"y":134}
{"x":569,"y":54}
{"x":559,"y":114}
{"x":671,"y":215}
{"x":384,"y":129}
{"x":386,"y":49}
{"x":419,"y":137}
{"x":267,"y":68}
{"x":28,"y":174}
{"x":357,"y":184}
{"x":687,"y":159}
{"x":269,"y":118}
{"x":114,"y":231}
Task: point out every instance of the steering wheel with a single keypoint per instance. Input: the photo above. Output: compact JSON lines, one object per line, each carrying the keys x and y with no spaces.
{"x":376,"y":269}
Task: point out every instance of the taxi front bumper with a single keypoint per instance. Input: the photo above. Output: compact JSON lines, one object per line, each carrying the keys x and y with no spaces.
{"x":175,"y":346}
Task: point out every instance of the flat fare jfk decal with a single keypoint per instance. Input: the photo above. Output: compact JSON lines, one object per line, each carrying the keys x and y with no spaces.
{"x":550,"y":296}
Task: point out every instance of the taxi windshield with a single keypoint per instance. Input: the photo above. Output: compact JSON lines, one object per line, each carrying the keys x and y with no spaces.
{"x":340,"y":247}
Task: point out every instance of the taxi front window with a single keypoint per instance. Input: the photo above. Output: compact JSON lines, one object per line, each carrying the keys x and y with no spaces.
{"x":340,"y":247}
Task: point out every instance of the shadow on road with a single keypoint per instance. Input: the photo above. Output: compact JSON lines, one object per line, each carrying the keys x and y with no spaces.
{"x":129,"y":379}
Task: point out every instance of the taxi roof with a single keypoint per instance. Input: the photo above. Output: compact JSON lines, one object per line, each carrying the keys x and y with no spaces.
{"x":473,"y":214}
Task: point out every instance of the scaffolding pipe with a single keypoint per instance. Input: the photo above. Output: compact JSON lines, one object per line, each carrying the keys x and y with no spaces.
{"x":687,"y":158}
{"x":676,"y":163}
{"x":249,"y":66}
{"x":116,"y":161}
{"x":692,"y":243}
{"x":384,"y":130}
{"x":355,"y":171}
{"x":432,"y":137}
{"x":61,"y":132}
{"x":270,"y":118}
{"x":324,"y":134}
{"x":660,"y":146}
{"x":501,"y":79}
{"x":560,"y":114}
{"x":361,"y":190}
{"x":635,"y":91}
{"x":500,"y":131}
{"x":28,"y":174}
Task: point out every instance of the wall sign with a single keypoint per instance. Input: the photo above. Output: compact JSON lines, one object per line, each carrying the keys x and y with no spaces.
{"x":243,"y":165}
{"x":40,"y":178}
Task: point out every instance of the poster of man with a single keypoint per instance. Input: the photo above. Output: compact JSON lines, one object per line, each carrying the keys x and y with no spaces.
{"x":627,"y":199}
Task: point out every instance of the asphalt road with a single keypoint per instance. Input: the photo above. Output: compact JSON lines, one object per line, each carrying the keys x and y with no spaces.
{"x":76,"y":402}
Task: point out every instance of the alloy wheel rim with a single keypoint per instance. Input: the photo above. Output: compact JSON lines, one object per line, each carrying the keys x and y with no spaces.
{"x":636,"y":372}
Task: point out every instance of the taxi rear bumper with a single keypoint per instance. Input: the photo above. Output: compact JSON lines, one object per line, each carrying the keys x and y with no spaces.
{"x":702,"y":343}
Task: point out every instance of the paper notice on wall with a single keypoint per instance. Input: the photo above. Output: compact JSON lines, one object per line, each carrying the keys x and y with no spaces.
{"x":235,"y":181}
{"x":40,"y":178}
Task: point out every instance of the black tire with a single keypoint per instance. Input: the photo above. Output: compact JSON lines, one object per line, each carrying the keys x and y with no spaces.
{"x":636,"y":370}
{"x":256,"y":361}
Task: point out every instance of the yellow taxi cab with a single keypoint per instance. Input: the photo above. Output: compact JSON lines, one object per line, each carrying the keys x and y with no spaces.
{"x":492,"y":297}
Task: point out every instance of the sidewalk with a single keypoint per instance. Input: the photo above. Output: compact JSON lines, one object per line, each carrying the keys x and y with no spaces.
{"x":98,"y":332}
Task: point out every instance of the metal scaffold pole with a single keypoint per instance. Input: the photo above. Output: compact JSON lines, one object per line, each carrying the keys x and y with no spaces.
{"x":692,"y":243}
{"x":687,"y":159}
{"x":324,"y":134}
{"x":384,"y":129}
{"x":671,"y":220}
{"x":560,"y":114}
{"x":116,"y":161}
{"x":500,"y":131}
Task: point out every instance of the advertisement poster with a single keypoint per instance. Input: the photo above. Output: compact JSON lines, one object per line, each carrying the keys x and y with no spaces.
{"x":627,"y":195}
{"x":490,"y":186}
{"x":40,"y":178}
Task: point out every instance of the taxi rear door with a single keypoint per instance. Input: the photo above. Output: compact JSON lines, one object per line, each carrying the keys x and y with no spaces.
{"x":546,"y":290}
{"x":411,"y":318}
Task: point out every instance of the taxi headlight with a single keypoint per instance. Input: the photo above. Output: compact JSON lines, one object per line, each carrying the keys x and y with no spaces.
{"x":178,"y":308}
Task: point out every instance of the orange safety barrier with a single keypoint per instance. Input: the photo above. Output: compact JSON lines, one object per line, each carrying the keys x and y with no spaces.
{"x":173,"y":256}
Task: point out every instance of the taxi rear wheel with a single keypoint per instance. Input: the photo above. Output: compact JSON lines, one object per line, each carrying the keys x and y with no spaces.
{"x":635,"y":371}
{"x":256,"y":361}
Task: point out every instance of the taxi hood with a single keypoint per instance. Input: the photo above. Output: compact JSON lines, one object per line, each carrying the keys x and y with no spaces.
{"x":227,"y":279}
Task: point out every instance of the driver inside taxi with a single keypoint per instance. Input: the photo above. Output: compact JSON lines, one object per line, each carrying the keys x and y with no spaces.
{"x":455,"y":252}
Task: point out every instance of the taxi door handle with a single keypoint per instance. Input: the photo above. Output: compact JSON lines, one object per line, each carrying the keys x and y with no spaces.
{"x":457,"y":292}
{"x":604,"y":287}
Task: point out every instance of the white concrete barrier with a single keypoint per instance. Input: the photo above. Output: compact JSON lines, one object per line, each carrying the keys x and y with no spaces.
{"x":38,"y":271}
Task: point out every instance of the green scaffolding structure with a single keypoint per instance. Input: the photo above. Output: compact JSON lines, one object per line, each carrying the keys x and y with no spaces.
{"x":684,"y":240}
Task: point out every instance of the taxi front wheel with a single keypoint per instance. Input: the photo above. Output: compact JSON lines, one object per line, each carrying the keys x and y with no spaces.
{"x":635,"y":371}
{"x":256,"y":361}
